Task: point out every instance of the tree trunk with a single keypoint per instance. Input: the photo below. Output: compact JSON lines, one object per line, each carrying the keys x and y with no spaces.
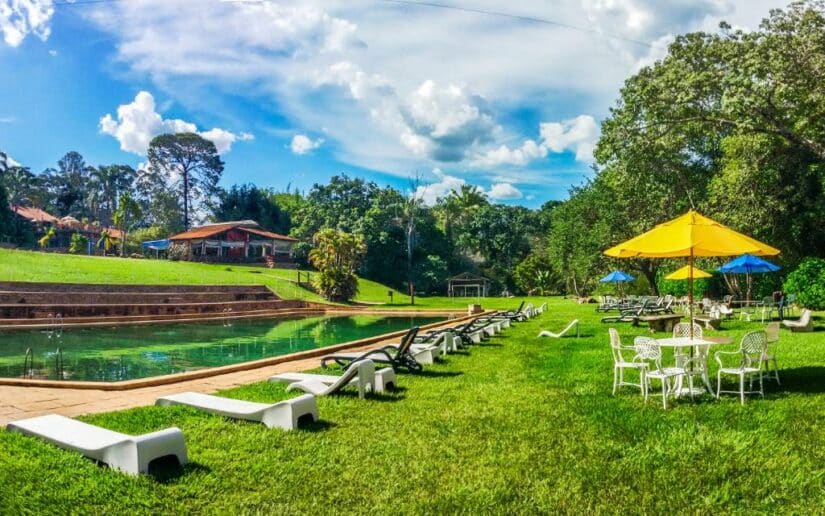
{"x":649,"y":270}
{"x":185,"y":200}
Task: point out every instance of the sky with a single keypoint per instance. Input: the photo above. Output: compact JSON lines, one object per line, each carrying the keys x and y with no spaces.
{"x":508,"y":96}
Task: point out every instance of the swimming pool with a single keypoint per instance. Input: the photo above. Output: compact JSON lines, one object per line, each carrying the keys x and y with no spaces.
{"x":132,"y":352}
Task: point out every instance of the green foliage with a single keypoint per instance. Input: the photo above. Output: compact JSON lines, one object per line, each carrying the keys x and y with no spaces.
{"x":336,"y":256}
{"x":430,"y":274}
{"x":134,"y":238}
{"x":79,"y":244}
{"x":808,"y":283}
{"x":248,"y":202}
{"x":535,"y":275}
{"x":579,"y":232}
{"x":126,"y":216}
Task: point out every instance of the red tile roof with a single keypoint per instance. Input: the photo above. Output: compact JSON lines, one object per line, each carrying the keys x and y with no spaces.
{"x":34,"y":214}
{"x":202,"y":232}
{"x":214,"y":229}
{"x":269,"y":234}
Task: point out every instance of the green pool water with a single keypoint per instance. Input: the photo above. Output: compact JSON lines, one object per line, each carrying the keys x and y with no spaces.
{"x":131,"y":352}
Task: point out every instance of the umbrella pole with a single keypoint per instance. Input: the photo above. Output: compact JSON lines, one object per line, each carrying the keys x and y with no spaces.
{"x":690,"y":293}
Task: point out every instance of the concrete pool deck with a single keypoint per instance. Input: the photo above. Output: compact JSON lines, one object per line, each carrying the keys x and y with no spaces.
{"x":30,"y":400}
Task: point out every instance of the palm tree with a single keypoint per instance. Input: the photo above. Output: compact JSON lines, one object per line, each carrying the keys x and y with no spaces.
{"x":107,"y":241}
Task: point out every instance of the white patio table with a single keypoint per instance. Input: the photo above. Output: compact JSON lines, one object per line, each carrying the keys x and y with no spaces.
{"x":687,"y":342}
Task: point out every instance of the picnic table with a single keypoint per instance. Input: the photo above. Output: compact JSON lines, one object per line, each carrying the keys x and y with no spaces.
{"x":699,"y":348}
{"x":663,"y":322}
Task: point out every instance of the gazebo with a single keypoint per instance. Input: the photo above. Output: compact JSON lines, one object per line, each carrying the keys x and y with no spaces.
{"x":467,"y":284}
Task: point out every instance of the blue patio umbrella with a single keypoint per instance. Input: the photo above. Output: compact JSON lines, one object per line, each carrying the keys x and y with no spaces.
{"x":617,"y":277}
{"x":748,"y":264}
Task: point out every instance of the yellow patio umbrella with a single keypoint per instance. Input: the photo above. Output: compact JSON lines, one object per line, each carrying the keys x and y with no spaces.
{"x":690,"y":235}
{"x":687,"y":272}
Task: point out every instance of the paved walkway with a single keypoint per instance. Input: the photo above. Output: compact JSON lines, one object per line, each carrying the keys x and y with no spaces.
{"x":23,"y":402}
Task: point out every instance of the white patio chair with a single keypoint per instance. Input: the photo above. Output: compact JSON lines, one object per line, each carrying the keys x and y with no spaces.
{"x":751,"y":350}
{"x":682,"y":331}
{"x":648,"y":350}
{"x":771,"y":337}
{"x":804,"y":324}
{"x":620,"y":363}
{"x":725,"y":310}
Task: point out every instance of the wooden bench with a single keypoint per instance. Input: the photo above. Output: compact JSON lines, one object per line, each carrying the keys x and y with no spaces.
{"x":664,"y":322}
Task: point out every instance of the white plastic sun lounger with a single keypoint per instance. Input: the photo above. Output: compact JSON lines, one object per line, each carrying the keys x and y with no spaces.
{"x":129,"y":454}
{"x":573,"y":323}
{"x":362,"y":371}
{"x":285,"y":414}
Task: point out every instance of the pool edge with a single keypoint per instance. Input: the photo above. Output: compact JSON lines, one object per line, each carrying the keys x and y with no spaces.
{"x":243,"y":366}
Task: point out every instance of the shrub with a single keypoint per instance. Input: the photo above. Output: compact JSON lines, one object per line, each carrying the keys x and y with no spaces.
{"x":79,"y":244}
{"x":336,"y":256}
{"x":177,"y":252}
{"x":535,"y":275}
{"x":807,"y":282}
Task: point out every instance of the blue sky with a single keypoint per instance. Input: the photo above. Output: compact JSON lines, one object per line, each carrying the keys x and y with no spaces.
{"x":295,"y":92}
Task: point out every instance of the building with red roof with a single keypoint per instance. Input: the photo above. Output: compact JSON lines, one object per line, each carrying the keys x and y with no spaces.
{"x":235,"y":241}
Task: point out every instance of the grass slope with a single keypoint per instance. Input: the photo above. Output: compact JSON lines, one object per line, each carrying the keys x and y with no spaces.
{"x":18,"y":265}
{"x":518,"y":425}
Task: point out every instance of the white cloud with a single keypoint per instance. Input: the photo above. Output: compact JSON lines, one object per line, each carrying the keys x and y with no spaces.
{"x":445,"y":122}
{"x":11,"y":162}
{"x":19,"y":18}
{"x":7,"y":119}
{"x":504,"y":192}
{"x":53,"y":53}
{"x":577,"y":134}
{"x":138,"y":122}
{"x":302,"y":144}
{"x":432,"y":192}
{"x":348,"y":66}
{"x":504,"y":155}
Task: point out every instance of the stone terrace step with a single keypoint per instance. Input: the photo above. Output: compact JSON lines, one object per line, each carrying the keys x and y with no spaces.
{"x":23,"y":311}
{"x":289,"y":308}
{"x":100,"y":298}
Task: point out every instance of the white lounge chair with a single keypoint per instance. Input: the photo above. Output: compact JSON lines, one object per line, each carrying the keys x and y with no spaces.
{"x":285,"y":414}
{"x":573,"y":323}
{"x":363,"y":371}
{"x":396,"y":356}
{"x":385,"y":379}
{"x":127,"y":453}
{"x":804,"y":323}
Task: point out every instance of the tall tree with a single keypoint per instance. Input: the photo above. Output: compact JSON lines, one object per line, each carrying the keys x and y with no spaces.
{"x":189,"y":162}
{"x":339,"y":204}
{"x":67,"y":186}
{"x":6,"y":215}
{"x":108,"y":183}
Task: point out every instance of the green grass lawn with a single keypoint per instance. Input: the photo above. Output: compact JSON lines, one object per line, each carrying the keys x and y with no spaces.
{"x":517,"y":425}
